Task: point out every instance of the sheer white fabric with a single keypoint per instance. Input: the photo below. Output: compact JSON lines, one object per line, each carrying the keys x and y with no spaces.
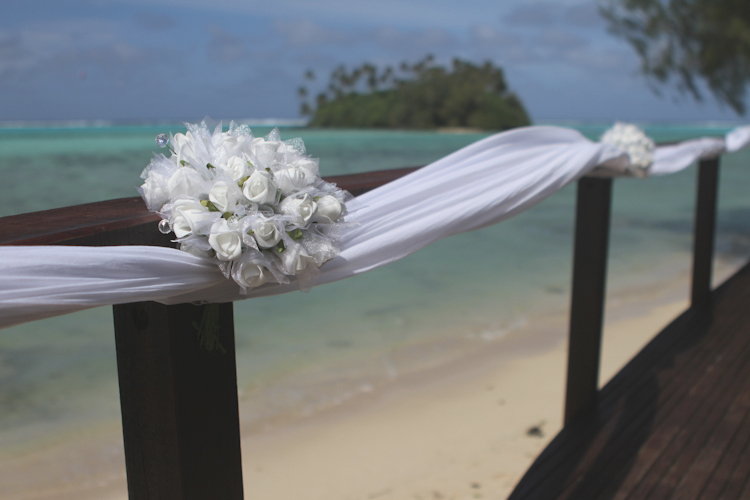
{"x":672,"y":159}
{"x":481,"y":184}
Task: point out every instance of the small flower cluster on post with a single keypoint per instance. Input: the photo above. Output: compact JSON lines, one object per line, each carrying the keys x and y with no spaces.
{"x":256,"y":205}
{"x":635,"y":143}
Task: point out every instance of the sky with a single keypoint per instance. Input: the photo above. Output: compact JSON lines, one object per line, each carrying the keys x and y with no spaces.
{"x":147,"y":60}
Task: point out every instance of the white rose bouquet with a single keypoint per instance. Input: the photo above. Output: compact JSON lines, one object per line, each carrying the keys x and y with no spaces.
{"x":635,"y":143}
{"x":257,"y":206}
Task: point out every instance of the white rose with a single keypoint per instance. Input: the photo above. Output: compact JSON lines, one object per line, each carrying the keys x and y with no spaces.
{"x":266,"y":233}
{"x":329,"y":210}
{"x":290,"y":179}
{"x":225,"y":196}
{"x":310,"y":169}
{"x":232,"y":146}
{"x":295,"y":262}
{"x":189,"y":216}
{"x":183,"y":147}
{"x":300,"y":209}
{"x":235,"y":167}
{"x":265,"y":151}
{"x":226,"y":243}
{"x":255,"y":142}
{"x":249,"y":272}
{"x":260,"y":188}
{"x":154,"y":191}
{"x":185,"y":182}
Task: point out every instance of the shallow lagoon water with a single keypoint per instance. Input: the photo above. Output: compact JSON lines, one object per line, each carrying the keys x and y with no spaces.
{"x":300,"y":352}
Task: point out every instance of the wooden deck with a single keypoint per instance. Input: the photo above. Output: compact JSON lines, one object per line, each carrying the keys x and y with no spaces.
{"x":673,"y":424}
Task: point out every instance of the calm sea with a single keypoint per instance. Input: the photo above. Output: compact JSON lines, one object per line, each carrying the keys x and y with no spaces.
{"x":298,"y":352}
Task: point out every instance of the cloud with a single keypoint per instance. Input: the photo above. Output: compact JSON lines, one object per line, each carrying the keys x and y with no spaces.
{"x":403,"y":14}
{"x":546,"y":14}
{"x":484,"y":34}
{"x":32,"y":47}
{"x":47,"y":55}
{"x":13,"y":55}
{"x":536,"y":14}
{"x":303,"y":33}
{"x":546,"y":47}
{"x":584,"y":16}
{"x":225,"y":47}
{"x":155,"y":22}
{"x":413,"y":43}
{"x":562,"y":40}
{"x":565,"y":35}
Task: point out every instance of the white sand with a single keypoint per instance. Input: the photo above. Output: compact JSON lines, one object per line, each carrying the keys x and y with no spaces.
{"x":458,"y":437}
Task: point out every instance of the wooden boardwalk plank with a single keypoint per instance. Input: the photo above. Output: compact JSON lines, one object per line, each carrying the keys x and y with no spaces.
{"x":738,"y":480}
{"x":674,"y":443}
{"x":700,"y":472}
{"x":707,"y":408}
{"x":728,"y":462}
{"x":669,"y":440}
{"x":639,"y":402}
{"x":546,"y":469}
{"x":672,"y":424}
{"x":661,"y":448}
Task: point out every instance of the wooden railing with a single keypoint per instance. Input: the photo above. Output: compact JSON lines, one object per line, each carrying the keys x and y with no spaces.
{"x":590,"y":276}
{"x":179,"y":402}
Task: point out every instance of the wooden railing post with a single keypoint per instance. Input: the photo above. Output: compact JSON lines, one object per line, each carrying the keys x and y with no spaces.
{"x":179,"y":404}
{"x":705,"y":229}
{"x":180,"y":414}
{"x":588,"y":292}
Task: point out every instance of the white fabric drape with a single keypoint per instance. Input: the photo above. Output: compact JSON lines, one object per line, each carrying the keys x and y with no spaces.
{"x":481,"y":184}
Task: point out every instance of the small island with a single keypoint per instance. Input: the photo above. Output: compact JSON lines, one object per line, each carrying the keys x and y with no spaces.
{"x":423,"y":95}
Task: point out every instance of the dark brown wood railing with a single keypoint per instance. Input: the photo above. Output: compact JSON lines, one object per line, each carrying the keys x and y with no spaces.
{"x":588,"y":291}
{"x":179,"y":402}
{"x":81,"y":224}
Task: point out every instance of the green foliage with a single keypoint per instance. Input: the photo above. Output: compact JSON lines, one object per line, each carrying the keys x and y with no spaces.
{"x":419,"y":96}
{"x":686,"y":41}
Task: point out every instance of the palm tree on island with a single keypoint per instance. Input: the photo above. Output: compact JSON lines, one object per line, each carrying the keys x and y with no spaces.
{"x":423,"y":95}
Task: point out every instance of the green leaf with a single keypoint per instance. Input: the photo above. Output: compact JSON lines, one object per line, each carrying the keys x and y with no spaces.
{"x":280,"y":247}
{"x":209,"y":166}
{"x":209,"y":205}
{"x":183,"y":163}
{"x":226,"y":215}
{"x":296,"y":234}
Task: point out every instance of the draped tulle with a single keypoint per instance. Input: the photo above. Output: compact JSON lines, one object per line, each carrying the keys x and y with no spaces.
{"x":481,"y":184}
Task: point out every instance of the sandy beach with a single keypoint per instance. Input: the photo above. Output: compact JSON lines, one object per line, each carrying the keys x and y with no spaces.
{"x":470,"y":433}
{"x":464,"y":429}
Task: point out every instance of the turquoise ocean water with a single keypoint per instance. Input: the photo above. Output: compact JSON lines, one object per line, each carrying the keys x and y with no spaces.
{"x":301,"y":352}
